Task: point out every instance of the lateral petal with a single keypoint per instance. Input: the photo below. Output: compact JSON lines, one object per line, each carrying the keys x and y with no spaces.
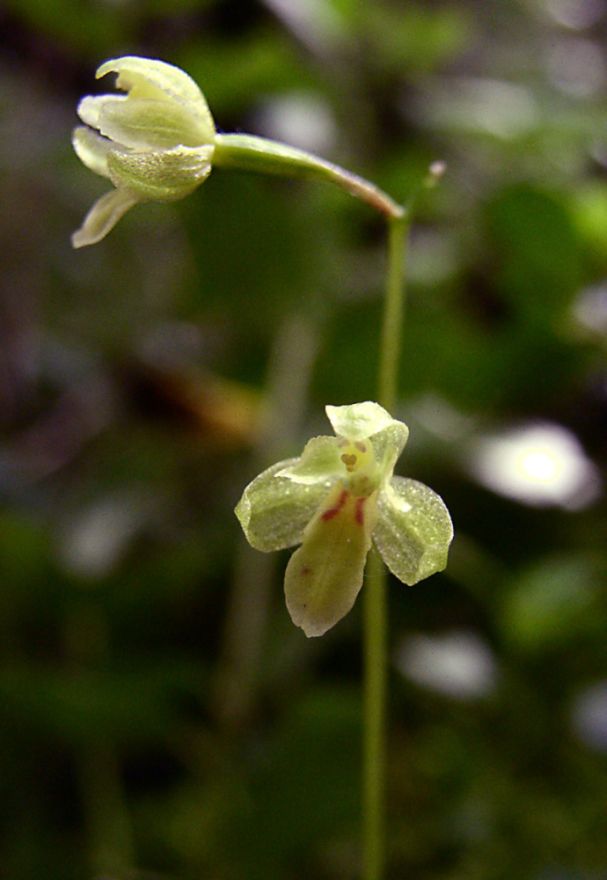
{"x":388,"y":444}
{"x":274,"y":511}
{"x":91,"y":149}
{"x":90,"y":107}
{"x":147,"y":123}
{"x":323,"y":578}
{"x":413,"y":530}
{"x":318,"y":462}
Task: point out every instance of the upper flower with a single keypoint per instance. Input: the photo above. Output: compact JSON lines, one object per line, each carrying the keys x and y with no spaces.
{"x":336,"y":499}
{"x":154,"y":143}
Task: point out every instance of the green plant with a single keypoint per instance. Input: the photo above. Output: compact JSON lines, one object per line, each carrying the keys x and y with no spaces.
{"x":159,"y":143}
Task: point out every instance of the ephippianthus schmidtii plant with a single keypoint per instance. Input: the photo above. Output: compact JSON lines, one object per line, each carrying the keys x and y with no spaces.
{"x":335,"y":500}
{"x":159,"y":143}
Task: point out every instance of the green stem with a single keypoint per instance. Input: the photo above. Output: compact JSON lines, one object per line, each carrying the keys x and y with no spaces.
{"x":375,"y":607}
{"x":375,"y":658}
{"x":247,"y":152}
{"x":394,"y":306}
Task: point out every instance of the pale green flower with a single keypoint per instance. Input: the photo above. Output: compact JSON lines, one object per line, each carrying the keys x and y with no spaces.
{"x":155,"y":143}
{"x":336,"y":499}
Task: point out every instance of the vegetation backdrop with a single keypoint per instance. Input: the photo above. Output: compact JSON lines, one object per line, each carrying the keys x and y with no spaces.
{"x":160,"y":717}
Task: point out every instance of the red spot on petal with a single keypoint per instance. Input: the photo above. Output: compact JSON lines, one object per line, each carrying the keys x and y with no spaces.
{"x":359,"y":511}
{"x":333,"y":511}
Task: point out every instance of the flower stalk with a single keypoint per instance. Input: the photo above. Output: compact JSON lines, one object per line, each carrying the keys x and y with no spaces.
{"x":158,"y":142}
{"x":375,"y":648}
{"x":245,"y":152}
{"x":375,"y":686}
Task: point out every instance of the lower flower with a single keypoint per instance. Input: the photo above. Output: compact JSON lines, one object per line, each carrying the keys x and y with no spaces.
{"x":337,"y":500}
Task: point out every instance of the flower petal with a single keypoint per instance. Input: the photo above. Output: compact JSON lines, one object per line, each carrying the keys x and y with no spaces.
{"x":388,"y":444}
{"x":150,"y":78}
{"x":161,"y":175}
{"x":91,"y":149}
{"x":103,"y":216}
{"x":413,"y":531}
{"x":318,"y":462}
{"x":90,"y":108}
{"x":274,"y":511}
{"x":358,"y":420}
{"x":148,"y":123}
{"x":323,"y":578}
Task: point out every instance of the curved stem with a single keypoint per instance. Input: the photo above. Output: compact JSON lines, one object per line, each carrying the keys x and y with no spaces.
{"x":375,"y":604}
{"x":247,"y":152}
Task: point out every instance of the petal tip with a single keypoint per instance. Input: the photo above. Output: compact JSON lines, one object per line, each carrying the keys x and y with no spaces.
{"x":79,"y":239}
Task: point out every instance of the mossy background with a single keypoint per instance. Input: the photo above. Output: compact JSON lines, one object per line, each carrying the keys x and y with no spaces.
{"x":159,"y":715}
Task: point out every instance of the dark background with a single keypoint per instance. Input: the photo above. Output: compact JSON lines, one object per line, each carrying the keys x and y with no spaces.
{"x":159,"y":714}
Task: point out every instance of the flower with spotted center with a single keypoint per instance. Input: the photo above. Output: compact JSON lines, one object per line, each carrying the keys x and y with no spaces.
{"x":336,"y":500}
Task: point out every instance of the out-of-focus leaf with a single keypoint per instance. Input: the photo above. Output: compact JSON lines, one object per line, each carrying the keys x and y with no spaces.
{"x":89,"y":27}
{"x":416,"y":39}
{"x":537,"y":252}
{"x":553,"y":603}
{"x":81,"y":706}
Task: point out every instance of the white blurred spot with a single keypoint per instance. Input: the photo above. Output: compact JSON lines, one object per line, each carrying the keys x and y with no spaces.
{"x":589,"y":716}
{"x":92,"y":544}
{"x":440,"y":418}
{"x":590,"y":309}
{"x":541,"y":465}
{"x":492,"y":106}
{"x":575,"y":14}
{"x":458,"y":664}
{"x":434,"y":257}
{"x":315,"y":23}
{"x":576,"y":67}
{"x":301,"y":119}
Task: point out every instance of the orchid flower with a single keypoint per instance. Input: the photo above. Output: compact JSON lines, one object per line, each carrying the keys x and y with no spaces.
{"x":154,"y":143}
{"x":336,"y":500}
{"x":157,"y":143}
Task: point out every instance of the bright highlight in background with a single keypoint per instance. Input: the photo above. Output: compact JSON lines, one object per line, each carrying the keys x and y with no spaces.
{"x":541,"y":465}
{"x":457,"y":663}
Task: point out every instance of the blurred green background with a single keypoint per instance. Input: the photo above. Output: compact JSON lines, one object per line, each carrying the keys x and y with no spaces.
{"x":160,"y":717}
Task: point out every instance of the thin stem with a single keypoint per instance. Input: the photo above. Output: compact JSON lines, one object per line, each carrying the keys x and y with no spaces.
{"x":394,"y":307}
{"x":375,"y":608}
{"x":374,"y":721}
